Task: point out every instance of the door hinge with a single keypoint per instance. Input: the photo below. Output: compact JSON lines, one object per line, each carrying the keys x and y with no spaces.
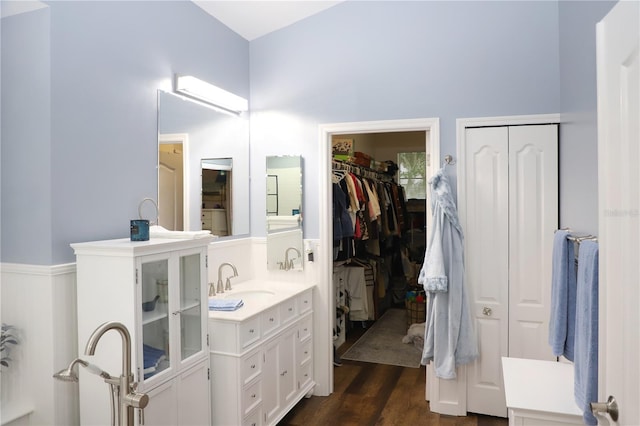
{"x":208,"y":373}
{"x":136,"y":275}
{"x":206,"y":260}
{"x":207,"y":339}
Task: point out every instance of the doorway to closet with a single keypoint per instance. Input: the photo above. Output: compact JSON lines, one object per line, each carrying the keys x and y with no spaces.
{"x":374,"y":268}
{"x":381,"y":140}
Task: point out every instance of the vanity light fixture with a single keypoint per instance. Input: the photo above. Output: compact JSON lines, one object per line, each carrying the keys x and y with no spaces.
{"x":209,"y":94}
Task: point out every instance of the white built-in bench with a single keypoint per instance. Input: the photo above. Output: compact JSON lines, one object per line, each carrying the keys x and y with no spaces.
{"x":539,"y":392}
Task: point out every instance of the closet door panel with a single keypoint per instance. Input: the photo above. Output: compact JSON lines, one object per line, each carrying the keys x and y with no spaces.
{"x":533,"y":218}
{"x":486,"y":277}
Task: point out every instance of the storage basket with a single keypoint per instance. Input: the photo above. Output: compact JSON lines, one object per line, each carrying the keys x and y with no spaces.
{"x":416,"y":312}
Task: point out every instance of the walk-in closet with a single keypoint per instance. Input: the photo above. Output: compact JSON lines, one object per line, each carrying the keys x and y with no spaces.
{"x":379,"y":229}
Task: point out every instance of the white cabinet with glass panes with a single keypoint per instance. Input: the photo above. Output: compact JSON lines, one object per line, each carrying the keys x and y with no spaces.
{"x":158,"y":290}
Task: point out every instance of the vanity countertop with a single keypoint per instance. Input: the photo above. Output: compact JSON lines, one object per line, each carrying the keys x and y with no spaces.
{"x":257,"y":295}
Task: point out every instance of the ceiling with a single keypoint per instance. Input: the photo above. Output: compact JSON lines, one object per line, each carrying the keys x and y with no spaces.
{"x":249,"y":18}
{"x":253,"y":19}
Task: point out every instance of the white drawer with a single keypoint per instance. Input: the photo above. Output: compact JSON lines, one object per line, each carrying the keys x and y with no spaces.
{"x":305,"y":374}
{"x":253,"y":419}
{"x":270,"y":320}
{"x":249,"y":331}
{"x":251,"y":397}
{"x":305,"y":351}
{"x":305,"y":328}
{"x":288,"y":310}
{"x":251,"y":367}
{"x":305,"y":301}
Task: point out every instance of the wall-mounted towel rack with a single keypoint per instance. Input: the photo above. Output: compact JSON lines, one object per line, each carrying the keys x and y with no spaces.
{"x":578,"y":238}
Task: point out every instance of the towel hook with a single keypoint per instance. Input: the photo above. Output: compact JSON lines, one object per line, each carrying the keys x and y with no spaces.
{"x":448,"y":160}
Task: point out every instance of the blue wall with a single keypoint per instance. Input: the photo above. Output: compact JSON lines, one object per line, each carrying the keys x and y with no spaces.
{"x":79,"y":83}
{"x":26,"y":137}
{"x":361,"y":61}
{"x":578,"y":132}
{"x":79,"y":159}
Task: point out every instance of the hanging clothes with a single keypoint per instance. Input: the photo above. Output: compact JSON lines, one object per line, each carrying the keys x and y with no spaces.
{"x":449,"y":338}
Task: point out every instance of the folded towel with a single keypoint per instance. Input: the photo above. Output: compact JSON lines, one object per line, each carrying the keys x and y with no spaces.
{"x":563,"y":297}
{"x":586,"y":343}
{"x":151,"y":356}
{"x":157,"y":231}
{"x":225,"y":304}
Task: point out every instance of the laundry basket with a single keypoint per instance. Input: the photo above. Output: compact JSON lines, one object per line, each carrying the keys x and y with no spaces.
{"x":416,"y":312}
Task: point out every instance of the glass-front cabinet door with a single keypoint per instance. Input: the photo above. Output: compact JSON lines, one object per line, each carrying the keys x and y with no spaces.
{"x":173,"y":311}
{"x":155,"y":311}
{"x":191,"y":303}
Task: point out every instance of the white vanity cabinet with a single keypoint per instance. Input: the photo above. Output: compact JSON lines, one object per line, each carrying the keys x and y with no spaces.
{"x":262,"y":365}
{"x":158,"y":290}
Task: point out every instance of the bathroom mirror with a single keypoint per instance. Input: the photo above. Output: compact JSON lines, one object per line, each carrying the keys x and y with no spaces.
{"x":284,"y":213}
{"x":196,"y":144}
{"x":217,"y":176}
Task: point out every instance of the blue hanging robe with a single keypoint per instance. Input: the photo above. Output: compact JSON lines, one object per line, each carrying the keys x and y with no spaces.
{"x":449,"y":338}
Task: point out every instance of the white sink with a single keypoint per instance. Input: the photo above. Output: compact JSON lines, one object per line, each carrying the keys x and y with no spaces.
{"x":251,"y":295}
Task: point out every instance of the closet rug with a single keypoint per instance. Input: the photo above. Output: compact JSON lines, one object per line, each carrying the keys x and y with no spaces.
{"x":382,"y":343}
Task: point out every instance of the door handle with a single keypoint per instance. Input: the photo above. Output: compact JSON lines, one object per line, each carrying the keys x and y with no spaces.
{"x":610,"y":407}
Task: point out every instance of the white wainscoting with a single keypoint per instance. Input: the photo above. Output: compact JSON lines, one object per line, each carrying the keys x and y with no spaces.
{"x":41,"y":302}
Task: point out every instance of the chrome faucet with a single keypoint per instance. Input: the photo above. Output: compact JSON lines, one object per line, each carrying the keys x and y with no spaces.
{"x":128,"y":397}
{"x":288,"y":264}
{"x":227,"y":285}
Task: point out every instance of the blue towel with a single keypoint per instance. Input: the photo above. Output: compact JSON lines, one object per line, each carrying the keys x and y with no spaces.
{"x":225,"y":304}
{"x":151,"y":356}
{"x":563,"y":297}
{"x":586,"y":345}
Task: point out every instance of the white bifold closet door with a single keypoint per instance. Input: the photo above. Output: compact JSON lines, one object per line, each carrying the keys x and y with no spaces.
{"x":511,"y":195}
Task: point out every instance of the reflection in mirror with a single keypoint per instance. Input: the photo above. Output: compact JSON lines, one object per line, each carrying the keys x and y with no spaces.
{"x":284,"y":213}
{"x":188,"y":134}
{"x":216,"y":191}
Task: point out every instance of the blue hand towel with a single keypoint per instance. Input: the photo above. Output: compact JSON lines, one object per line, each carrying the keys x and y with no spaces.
{"x":151,"y":356}
{"x":586,"y":344}
{"x":225,"y":304}
{"x":563,"y":297}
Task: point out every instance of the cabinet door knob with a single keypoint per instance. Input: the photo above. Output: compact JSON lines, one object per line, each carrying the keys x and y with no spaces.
{"x":271,"y":319}
{"x":253,"y":366}
{"x":486,"y":311}
{"x":283,"y":373}
{"x":251,"y":330}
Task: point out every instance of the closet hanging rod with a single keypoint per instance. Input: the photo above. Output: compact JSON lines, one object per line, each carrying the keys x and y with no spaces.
{"x":360,"y":170}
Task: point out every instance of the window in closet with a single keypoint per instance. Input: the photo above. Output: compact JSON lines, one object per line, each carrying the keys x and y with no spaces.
{"x":411,"y":174}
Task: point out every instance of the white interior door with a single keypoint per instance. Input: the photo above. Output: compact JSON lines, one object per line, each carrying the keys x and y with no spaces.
{"x":533,"y":219}
{"x":510,"y":214}
{"x":167,"y":206}
{"x":486,"y":229}
{"x":618,"y":45}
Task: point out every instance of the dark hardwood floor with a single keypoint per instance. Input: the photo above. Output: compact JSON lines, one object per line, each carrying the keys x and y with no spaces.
{"x":376,"y":394}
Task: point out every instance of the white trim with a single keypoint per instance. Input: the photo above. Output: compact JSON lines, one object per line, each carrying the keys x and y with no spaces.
{"x":508,"y":120}
{"x":182,"y":138}
{"x":323,"y":365}
{"x":39,"y":270}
